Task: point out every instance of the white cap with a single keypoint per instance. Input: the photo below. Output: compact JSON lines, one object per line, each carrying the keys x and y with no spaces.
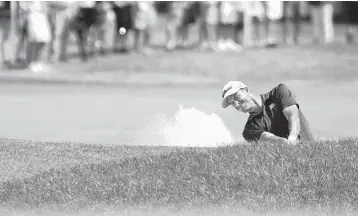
{"x":229,"y":89}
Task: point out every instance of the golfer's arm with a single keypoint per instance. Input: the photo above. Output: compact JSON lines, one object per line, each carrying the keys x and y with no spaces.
{"x":269,"y":137}
{"x":293,"y":118}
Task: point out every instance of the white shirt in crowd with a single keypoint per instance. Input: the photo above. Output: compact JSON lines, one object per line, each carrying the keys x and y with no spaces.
{"x":38,"y":25}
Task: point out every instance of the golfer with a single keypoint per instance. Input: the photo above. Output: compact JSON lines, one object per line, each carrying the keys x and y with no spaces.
{"x":274,"y":116}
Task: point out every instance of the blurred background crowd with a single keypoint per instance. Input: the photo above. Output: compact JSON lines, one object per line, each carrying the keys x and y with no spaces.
{"x":42,"y":31}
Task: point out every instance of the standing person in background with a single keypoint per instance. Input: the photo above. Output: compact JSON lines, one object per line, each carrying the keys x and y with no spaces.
{"x":56,"y":11}
{"x":174,"y":21}
{"x":21,"y":30}
{"x":89,"y":24}
{"x":81,"y":24}
{"x":110,"y":32}
{"x":239,"y":26}
{"x":228,"y":17}
{"x":291,"y":17}
{"x":209,"y":21}
{"x":316,"y":14}
{"x":62,"y":14}
{"x":273,"y":13}
{"x":4,"y":29}
{"x":266,"y":23}
{"x":253,"y":17}
{"x":322,"y":21}
{"x":38,"y":31}
{"x":350,"y":9}
{"x":145,"y":18}
{"x":99,"y":27}
{"x":328,"y":13}
{"x":52,"y":8}
{"x":191,"y":13}
{"x":124,"y":19}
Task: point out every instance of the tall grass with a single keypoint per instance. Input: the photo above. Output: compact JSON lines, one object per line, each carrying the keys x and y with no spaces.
{"x":314,"y":178}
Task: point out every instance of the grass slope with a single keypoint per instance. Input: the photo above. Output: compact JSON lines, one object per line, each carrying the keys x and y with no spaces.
{"x":261,"y":179}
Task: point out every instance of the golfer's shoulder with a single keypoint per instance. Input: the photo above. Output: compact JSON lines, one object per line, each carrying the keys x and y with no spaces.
{"x":281,"y":87}
{"x":279,"y":90}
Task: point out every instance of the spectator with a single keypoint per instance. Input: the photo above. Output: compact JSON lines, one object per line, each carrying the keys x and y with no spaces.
{"x":4,"y":29}
{"x":291,"y":17}
{"x":209,"y":20}
{"x":62,"y":14}
{"x":315,"y":8}
{"x":273,"y":13}
{"x":124,"y":19}
{"x":351,"y":17}
{"x":21,"y":31}
{"x":254,"y":15}
{"x":239,"y":26}
{"x":322,"y":21}
{"x":175,"y":20}
{"x":229,"y":18}
{"x":328,"y":13}
{"x":111,"y":27}
{"x":145,"y":19}
{"x":100,"y":26}
{"x":191,"y":14}
{"x":56,"y":9}
{"x":86,"y":15}
{"x":36,"y":30}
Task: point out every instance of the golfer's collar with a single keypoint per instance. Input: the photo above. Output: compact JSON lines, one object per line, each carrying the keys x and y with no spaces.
{"x":262,"y":107}
{"x":262,"y":101}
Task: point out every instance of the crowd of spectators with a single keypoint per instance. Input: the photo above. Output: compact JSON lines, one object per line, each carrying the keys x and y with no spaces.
{"x":101,"y":27}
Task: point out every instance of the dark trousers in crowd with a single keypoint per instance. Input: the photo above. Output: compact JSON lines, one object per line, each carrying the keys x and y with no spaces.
{"x":124,"y":19}
{"x":4,"y":27}
{"x":350,"y":9}
{"x":81,"y":26}
{"x":291,"y":18}
{"x":82,"y":23}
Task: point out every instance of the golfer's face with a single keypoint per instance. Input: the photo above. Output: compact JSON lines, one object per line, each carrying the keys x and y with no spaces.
{"x":242,"y":101}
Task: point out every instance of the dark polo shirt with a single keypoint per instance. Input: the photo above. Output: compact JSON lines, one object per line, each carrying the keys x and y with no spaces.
{"x":5,"y":9}
{"x":272,"y":119}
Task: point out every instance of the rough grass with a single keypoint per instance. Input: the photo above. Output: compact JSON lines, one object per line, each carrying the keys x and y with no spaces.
{"x":260,"y":179}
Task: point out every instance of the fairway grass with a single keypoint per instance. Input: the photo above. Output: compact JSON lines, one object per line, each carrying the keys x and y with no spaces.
{"x":261,"y":179}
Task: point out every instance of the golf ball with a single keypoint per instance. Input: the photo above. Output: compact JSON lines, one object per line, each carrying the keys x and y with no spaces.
{"x":122,"y":31}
